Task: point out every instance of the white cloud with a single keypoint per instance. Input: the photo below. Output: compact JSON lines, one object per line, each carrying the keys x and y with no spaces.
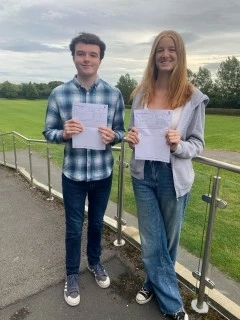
{"x":35,"y":34}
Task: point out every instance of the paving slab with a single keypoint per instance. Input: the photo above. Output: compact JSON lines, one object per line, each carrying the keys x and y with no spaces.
{"x":96,"y":303}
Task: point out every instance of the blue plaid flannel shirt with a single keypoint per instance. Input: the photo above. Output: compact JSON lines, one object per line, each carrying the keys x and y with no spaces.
{"x":84,"y":164}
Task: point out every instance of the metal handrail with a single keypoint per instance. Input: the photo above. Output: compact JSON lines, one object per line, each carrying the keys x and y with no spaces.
{"x":23,"y":137}
{"x":218,"y":164}
{"x":29,"y":141}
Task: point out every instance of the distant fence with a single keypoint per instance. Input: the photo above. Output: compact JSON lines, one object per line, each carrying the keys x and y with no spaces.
{"x":223,"y":111}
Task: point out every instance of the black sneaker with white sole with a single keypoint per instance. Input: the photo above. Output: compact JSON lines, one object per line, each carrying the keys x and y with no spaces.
{"x":143,"y":296}
{"x":182,"y":315}
{"x":71,"y":290}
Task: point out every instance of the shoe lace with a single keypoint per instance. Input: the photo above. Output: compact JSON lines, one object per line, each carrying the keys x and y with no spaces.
{"x":144,"y":290}
{"x":100,"y":270}
{"x":179,"y":316}
{"x":72,"y":283}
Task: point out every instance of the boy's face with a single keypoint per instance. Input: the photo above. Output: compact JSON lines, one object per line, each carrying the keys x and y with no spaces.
{"x":87,"y":60}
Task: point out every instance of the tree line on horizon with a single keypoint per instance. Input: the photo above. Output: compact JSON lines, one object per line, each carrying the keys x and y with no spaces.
{"x":223,"y":91}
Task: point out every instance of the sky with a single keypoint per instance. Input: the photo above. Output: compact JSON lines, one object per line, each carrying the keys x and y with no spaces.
{"x":35,"y":35}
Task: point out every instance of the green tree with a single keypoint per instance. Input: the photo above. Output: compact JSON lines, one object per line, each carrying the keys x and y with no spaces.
{"x":23,"y":90}
{"x":203,"y":80}
{"x":54,"y":84}
{"x":31,"y":91}
{"x":126,"y":85}
{"x":228,"y":82}
{"x":9,"y":90}
{"x":191,"y":76}
{"x":43,"y":89}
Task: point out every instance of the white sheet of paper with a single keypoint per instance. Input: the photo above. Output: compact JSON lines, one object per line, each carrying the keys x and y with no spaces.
{"x":91,"y":116}
{"x":152,"y":126}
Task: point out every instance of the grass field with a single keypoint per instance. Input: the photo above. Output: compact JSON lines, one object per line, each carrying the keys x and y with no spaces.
{"x":222,"y":133}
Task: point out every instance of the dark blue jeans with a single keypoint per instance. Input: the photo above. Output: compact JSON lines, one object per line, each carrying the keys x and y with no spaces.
{"x":74,"y":196}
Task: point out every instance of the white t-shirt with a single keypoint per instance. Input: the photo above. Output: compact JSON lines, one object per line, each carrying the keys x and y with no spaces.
{"x":176,"y":113}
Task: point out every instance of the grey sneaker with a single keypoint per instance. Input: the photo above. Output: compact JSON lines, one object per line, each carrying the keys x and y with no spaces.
{"x":143,"y":296}
{"x":101,"y":275}
{"x":71,"y":290}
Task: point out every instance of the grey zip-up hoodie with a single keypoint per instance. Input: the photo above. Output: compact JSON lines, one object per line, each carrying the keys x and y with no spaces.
{"x":191,"y":127}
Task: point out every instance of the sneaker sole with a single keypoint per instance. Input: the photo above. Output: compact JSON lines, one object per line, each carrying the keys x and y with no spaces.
{"x":186,"y":317}
{"x":72,"y":303}
{"x":144,"y":301}
{"x":103,"y":286}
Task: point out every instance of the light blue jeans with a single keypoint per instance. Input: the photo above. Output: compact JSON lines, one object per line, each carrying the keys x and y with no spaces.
{"x":160,"y":217}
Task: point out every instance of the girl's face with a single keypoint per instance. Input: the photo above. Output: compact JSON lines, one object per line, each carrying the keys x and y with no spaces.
{"x":166,"y":55}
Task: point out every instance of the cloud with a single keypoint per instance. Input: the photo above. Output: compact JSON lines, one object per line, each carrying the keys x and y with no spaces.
{"x":30,"y":46}
{"x":37,"y":34}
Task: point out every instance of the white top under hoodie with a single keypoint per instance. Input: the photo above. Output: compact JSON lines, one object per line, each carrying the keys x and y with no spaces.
{"x":191,"y":128}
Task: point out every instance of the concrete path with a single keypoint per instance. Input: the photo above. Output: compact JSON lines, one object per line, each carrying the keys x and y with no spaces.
{"x":32,"y":264}
{"x":222,"y":155}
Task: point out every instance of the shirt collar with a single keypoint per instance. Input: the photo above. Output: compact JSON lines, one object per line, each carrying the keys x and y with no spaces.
{"x":78,"y":84}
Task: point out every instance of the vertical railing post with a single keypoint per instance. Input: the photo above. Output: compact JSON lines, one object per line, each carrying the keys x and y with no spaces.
{"x":15,"y":152}
{"x":199,"y":304}
{"x":50,"y":197}
{"x":30,"y":163}
{"x":3,"y":146}
{"x":120,"y":241}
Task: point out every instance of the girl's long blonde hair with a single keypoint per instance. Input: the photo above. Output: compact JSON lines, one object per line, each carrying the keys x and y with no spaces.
{"x":179,"y":89}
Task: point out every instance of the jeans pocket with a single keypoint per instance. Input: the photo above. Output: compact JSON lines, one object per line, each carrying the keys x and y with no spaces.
{"x":167,"y":165}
